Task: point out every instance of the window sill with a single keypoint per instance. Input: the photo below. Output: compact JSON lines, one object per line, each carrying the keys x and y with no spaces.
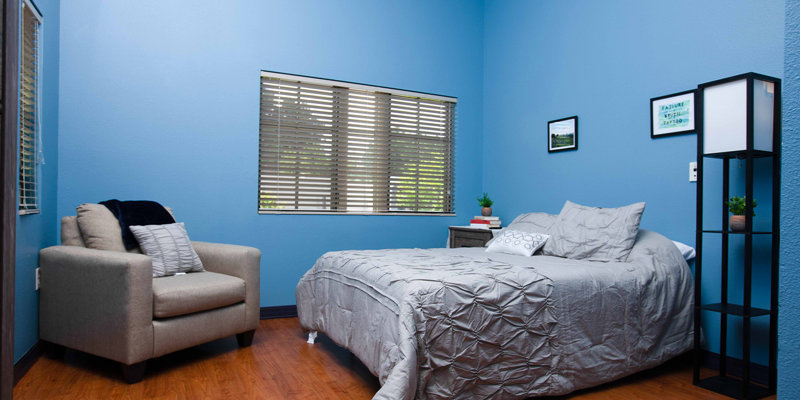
{"x":29,"y":212}
{"x":354,"y":213}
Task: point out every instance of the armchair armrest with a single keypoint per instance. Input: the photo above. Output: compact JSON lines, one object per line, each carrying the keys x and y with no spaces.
{"x":97,"y":301}
{"x":240,"y":261}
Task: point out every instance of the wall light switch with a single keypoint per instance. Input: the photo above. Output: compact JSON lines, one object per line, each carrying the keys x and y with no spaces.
{"x":693,"y":171}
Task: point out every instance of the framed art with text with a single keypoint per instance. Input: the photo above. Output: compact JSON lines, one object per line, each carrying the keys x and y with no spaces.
{"x":672,"y":114}
{"x":562,"y":134}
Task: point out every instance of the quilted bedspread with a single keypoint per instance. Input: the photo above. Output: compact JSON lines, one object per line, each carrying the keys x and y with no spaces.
{"x":463,"y":323}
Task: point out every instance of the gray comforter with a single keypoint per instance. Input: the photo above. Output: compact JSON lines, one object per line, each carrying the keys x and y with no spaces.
{"x":463,"y":323}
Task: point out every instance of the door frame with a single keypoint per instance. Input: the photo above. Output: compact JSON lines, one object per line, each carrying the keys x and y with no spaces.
{"x":9,"y":114}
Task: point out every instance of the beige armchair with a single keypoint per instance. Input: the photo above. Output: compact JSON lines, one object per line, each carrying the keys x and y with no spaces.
{"x":107,"y":303}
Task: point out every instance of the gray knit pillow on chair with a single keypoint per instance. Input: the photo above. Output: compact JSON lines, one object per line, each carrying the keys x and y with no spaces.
{"x":169,"y":247}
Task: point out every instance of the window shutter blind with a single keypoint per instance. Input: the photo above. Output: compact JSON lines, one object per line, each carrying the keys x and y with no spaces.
{"x":337,"y":147}
{"x":29,"y":107}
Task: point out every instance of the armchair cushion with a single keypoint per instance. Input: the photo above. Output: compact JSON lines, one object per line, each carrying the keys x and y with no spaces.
{"x":194,"y":292}
{"x":240,"y":261}
{"x":70,"y":234}
{"x":99,"y":227}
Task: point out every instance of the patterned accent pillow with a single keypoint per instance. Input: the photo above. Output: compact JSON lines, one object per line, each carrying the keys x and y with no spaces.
{"x":594,"y":233}
{"x":169,"y":247}
{"x":517,"y":242}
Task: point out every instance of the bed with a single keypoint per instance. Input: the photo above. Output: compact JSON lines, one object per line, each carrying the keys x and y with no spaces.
{"x":466,"y":323}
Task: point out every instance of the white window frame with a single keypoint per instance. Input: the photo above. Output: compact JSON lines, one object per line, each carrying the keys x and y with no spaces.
{"x":450,"y":195}
{"x":38,"y":130}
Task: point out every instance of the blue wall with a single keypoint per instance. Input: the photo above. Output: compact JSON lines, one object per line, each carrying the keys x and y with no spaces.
{"x":160,"y":101}
{"x":603,"y":61}
{"x":36,"y":231}
{"x":789,"y":317}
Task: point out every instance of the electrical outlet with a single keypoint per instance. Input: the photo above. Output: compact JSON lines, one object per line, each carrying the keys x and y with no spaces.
{"x":693,"y":171}
{"x":38,"y":277}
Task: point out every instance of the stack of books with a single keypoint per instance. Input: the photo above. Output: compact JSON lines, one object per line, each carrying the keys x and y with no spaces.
{"x":485,"y":222}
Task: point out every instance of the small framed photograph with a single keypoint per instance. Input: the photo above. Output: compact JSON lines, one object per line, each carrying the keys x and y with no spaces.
{"x":562,"y":134}
{"x":672,"y":114}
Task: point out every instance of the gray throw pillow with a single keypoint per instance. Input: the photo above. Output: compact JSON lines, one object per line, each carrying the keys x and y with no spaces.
{"x":594,"y":233}
{"x":169,"y":247}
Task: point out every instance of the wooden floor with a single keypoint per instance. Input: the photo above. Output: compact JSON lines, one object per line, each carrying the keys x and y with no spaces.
{"x":280,"y":365}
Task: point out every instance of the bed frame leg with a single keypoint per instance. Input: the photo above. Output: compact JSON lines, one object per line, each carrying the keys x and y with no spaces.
{"x":312,"y":336}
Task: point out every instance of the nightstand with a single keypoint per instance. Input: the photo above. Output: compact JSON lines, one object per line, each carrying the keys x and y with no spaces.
{"x":464,"y":236}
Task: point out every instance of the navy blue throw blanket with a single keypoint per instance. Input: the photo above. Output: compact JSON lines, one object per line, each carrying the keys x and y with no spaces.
{"x":137,"y":212}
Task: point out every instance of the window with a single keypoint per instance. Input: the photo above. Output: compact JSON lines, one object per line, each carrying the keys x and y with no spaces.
{"x":29,"y":108}
{"x":339,"y":147}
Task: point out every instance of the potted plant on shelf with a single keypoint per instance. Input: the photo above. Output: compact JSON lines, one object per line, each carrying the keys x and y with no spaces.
{"x":737,"y":205}
{"x":486,"y":204}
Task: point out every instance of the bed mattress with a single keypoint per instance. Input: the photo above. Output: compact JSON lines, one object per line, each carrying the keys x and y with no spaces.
{"x":464,"y":323}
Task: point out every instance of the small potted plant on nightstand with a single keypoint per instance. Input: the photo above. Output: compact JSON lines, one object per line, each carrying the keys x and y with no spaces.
{"x":736,"y":205}
{"x":486,"y":204}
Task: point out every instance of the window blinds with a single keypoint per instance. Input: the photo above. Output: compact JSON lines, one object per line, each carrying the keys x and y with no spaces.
{"x":338,"y":147}
{"x":29,"y":107}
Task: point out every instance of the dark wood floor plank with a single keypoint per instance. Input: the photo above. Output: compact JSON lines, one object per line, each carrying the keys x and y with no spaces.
{"x":281,"y":365}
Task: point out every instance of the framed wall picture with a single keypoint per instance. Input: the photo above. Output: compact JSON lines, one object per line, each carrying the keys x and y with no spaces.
{"x":562,"y":134}
{"x":672,"y":114}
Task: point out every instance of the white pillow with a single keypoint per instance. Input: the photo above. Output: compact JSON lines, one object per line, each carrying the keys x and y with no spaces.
{"x":169,"y":247}
{"x":686,"y":250}
{"x":517,"y":242}
{"x":533,"y":222}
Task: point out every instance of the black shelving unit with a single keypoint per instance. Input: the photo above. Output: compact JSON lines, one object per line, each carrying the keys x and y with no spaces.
{"x":740,"y":387}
